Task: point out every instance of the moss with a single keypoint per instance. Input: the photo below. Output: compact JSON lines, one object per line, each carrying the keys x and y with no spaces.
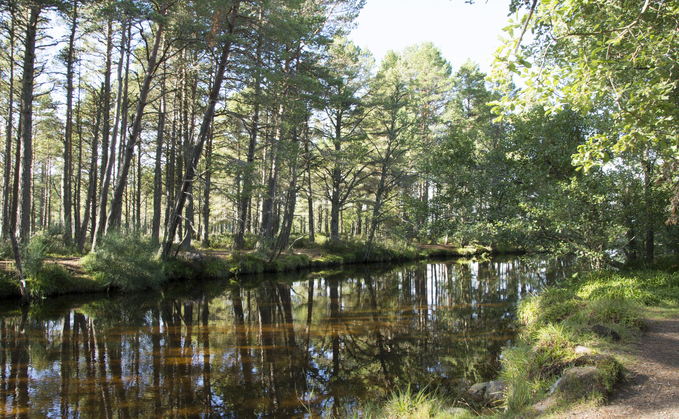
{"x":582,"y":383}
{"x":611,"y":370}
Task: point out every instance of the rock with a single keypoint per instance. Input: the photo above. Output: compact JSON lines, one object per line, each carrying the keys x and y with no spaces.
{"x":478,"y":391}
{"x":495,"y":391}
{"x":605,"y":332}
{"x":456,"y":412}
{"x":489,"y":393}
{"x":580,"y":350}
{"x":598,"y":360}
{"x":581,"y":382}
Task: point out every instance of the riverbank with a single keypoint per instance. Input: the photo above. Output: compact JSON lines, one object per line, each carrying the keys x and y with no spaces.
{"x":129,"y":264}
{"x":603,"y":345}
{"x":578,"y":342}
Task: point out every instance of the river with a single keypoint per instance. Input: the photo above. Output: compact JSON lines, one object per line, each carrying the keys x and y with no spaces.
{"x":311,"y":344}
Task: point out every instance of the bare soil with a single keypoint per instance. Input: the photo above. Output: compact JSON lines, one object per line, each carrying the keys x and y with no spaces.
{"x":652,"y":386}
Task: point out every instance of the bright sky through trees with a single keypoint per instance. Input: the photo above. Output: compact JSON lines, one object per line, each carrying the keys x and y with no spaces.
{"x":462,"y":31}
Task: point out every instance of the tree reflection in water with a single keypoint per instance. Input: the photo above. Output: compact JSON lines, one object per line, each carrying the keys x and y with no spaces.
{"x":305,"y":345}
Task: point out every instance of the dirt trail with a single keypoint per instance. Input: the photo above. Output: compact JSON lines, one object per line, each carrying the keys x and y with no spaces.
{"x":652,"y":390}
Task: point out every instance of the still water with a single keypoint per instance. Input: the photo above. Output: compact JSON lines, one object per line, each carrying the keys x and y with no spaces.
{"x":302,"y":345}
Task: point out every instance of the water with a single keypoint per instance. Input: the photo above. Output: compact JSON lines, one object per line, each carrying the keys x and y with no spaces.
{"x":302,"y":345}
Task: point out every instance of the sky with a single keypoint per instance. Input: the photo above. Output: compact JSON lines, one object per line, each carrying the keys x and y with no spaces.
{"x":462,"y":31}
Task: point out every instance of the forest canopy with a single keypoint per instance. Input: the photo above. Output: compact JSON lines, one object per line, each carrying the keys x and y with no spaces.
{"x":257,"y":124}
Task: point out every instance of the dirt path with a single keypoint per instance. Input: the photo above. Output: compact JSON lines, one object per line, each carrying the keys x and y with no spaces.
{"x":652,"y":390}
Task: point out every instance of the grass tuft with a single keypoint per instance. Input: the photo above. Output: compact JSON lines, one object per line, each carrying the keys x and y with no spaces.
{"x":422,"y":404}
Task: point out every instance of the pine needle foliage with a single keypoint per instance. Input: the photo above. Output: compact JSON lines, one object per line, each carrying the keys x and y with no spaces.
{"x":127,"y":263}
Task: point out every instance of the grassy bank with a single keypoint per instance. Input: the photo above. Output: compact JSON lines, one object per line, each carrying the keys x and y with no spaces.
{"x":129,"y":264}
{"x":604,"y":312}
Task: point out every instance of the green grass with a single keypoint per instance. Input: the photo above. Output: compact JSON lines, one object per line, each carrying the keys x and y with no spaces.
{"x":409,"y":404}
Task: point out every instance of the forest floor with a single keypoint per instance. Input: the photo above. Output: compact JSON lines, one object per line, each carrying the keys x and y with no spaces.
{"x":651,"y":389}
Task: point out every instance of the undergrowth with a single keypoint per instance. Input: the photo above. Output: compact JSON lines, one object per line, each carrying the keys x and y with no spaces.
{"x":127,"y":263}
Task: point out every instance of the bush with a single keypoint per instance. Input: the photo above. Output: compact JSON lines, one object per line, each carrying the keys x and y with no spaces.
{"x":52,"y":279}
{"x":54,"y":239}
{"x":222,"y":241}
{"x":125,"y":262}
{"x":225,"y":241}
{"x":33,"y":255}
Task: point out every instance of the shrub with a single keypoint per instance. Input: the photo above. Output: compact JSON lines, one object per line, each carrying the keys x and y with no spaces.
{"x":33,"y":255}
{"x":125,"y":262}
{"x":222,"y":241}
{"x":6,"y":252}
{"x":54,"y":238}
{"x":51,"y":279}
{"x":215,"y":267}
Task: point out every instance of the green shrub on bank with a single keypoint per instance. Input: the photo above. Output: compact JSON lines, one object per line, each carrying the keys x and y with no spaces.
{"x":127,"y":263}
{"x":225,"y":241}
{"x":33,"y":255}
{"x":51,"y":279}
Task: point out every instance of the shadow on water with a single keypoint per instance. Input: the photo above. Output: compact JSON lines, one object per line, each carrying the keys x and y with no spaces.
{"x":309,"y":344}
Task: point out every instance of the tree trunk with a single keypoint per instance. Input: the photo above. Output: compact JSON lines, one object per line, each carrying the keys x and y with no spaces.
{"x":206,"y":191}
{"x":248,"y":175}
{"x":202,"y":136}
{"x":650,"y":245}
{"x":27,"y":121}
{"x":66,"y":190}
{"x":336,"y":183}
{"x":137,"y":196}
{"x":6,"y":225}
{"x":359,"y":216}
{"x":99,"y":212}
{"x":267,"y":225}
{"x":78,"y":177}
{"x":115,"y":214}
{"x":170,"y":175}
{"x":91,"y":197}
{"x":158,"y":170}
{"x":188,"y":110}
{"x":290,"y":202}
{"x":310,"y":198}
{"x":17,"y":258}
